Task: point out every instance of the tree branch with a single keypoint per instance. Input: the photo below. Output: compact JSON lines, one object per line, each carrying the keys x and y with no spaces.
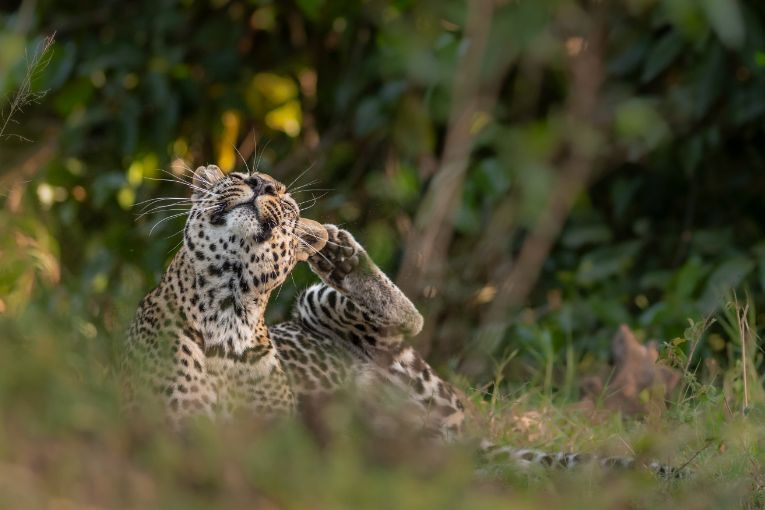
{"x":426,"y":248}
{"x":514,"y":283}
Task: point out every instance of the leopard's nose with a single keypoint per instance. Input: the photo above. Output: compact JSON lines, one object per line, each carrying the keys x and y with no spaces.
{"x":260,"y":186}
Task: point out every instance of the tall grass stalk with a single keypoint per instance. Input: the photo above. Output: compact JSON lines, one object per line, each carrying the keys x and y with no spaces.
{"x":24,"y":96}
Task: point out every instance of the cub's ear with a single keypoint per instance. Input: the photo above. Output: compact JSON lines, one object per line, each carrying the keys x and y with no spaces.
{"x":205,"y":177}
{"x":313,"y":236}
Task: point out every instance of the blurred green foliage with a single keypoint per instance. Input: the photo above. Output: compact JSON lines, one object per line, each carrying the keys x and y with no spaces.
{"x":354,"y":97}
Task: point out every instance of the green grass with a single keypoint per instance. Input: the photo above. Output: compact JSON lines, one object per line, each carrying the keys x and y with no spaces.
{"x":64,"y":444}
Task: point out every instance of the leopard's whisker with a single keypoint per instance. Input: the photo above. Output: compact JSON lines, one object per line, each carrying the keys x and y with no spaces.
{"x":177,"y":245}
{"x":171,"y":207}
{"x":166,"y":219}
{"x":249,"y":172}
{"x":313,"y":198}
{"x":315,"y":251}
{"x":310,"y":206}
{"x":177,"y":206}
{"x":192,"y":186}
{"x":303,"y":186}
{"x":184,"y":213}
{"x":201,"y":177}
{"x":194,"y":174}
{"x":279,"y":290}
{"x":310,"y":190}
{"x":301,"y":175}
{"x":190,"y":179}
{"x":163,"y":210}
{"x":254,"y":149}
{"x":178,"y":177}
{"x":159,"y":199}
{"x":175,"y":234}
{"x":303,"y":231}
{"x":159,"y":203}
{"x":260,"y":157}
{"x":313,"y":201}
{"x":188,"y":184}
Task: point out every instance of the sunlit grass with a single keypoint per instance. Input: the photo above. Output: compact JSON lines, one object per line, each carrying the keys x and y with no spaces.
{"x":64,"y":441}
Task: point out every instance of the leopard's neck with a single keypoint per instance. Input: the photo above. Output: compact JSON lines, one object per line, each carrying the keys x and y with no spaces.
{"x":215,"y":304}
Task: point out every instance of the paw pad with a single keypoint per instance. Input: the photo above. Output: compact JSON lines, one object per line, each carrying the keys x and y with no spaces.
{"x":339,"y":257}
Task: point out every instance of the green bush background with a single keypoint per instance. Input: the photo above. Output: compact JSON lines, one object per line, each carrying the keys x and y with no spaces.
{"x":358,"y":94}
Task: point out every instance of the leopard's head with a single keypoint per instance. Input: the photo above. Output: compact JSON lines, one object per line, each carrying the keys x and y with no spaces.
{"x":245,"y":230}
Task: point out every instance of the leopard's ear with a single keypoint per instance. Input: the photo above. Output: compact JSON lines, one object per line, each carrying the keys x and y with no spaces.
{"x":205,"y":177}
{"x":313,"y":236}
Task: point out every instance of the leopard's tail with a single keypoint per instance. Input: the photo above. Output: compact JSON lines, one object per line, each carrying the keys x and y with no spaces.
{"x":494,"y":454}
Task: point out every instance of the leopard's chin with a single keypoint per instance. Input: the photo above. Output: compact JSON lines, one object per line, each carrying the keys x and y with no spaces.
{"x":266,"y":231}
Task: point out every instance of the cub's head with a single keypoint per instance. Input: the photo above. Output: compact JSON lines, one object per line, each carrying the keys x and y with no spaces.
{"x":245,"y":230}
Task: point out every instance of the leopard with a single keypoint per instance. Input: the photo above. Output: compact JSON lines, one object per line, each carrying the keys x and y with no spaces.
{"x":199,"y":339}
{"x":204,"y":348}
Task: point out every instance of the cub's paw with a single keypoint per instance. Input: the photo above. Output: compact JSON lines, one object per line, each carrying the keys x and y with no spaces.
{"x":339,"y":257}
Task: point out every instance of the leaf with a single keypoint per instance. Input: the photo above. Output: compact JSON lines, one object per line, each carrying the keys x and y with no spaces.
{"x":655,"y":314}
{"x":61,"y":66}
{"x":747,"y":103}
{"x":622,"y":193}
{"x":582,"y":235}
{"x":726,"y":20}
{"x":268,"y":90}
{"x":725,"y":278}
{"x":104,"y":186}
{"x":687,"y":17}
{"x":497,"y":177}
{"x":687,"y":279}
{"x":75,"y":93}
{"x":467,"y":220}
{"x":709,"y":79}
{"x":759,"y":251}
{"x":662,"y":54}
{"x":412,"y":130}
{"x":231,"y":120}
{"x":287,"y":118}
{"x":630,"y":59}
{"x":657,"y":279}
{"x":606,"y":262}
{"x":692,"y":154}
{"x":608,"y":310}
{"x":640,"y":125}
{"x":311,"y":8}
{"x":369,"y":118}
